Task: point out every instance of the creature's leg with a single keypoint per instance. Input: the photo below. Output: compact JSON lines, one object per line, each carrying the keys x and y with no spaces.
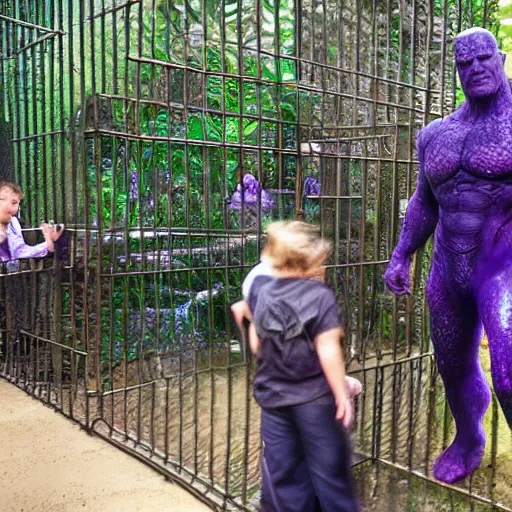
{"x":456,"y":332}
{"x":495,"y":308}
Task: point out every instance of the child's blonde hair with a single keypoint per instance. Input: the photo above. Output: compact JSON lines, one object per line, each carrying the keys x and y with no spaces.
{"x":297,"y":247}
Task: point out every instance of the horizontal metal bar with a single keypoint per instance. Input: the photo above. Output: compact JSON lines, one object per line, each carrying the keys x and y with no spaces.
{"x":202,"y":110}
{"x":397,"y":362}
{"x":45,"y":340}
{"x":241,"y":145}
{"x":113,"y":9}
{"x":224,"y":267}
{"x":334,"y":197}
{"x":330,"y":67}
{"x":460,"y":490}
{"x":37,"y":135}
{"x":30,"y":45}
{"x":192,"y":142}
{"x":190,"y":373}
{"x":260,"y":80}
{"x":348,"y":139}
{"x":31,"y":271}
{"x":30,"y":25}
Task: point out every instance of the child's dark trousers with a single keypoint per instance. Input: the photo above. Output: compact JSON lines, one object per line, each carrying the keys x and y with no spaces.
{"x":306,"y":459}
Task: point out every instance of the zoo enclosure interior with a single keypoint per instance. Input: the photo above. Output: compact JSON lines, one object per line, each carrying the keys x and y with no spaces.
{"x":166,"y":135}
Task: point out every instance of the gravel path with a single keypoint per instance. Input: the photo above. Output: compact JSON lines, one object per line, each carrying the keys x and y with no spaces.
{"x":48,"y":464}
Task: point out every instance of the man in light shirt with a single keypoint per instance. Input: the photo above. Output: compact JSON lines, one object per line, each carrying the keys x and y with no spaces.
{"x":12,"y":243}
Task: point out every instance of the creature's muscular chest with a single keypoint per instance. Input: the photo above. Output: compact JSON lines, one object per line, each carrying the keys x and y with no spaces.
{"x":483,"y":150}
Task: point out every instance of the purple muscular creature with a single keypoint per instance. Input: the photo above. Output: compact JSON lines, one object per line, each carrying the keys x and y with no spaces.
{"x":464,"y":197}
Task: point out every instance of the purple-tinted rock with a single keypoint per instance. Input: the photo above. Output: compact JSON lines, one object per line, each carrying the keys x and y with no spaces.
{"x":311,"y":186}
{"x":134,"y":185}
{"x":250,"y":193}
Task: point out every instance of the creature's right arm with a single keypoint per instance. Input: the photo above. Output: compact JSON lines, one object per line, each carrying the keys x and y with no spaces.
{"x":419,"y":224}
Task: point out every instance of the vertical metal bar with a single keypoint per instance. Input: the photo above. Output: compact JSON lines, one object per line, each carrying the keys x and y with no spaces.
{"x":494,"y":449}
{"x":279,"y":124}
{"x":453,"y":71}
{"x":166,"y":425}
{"x":126,"y":235}
{"x":114,"y":344}
{"x":103,"y":33}
{"x":72,"y":103}
{"x":485,"y":14}
{"x":24,"y":74}
{"x":229,"y":376}
{"x":181,"y":407}
{"x":387,"y":56}
{"x":115,"y":50}
{"x":99,"y":207}
{"x":86,"y":200}
{"x":139,"y":361}
{"x":34,"y":129}
{"x":40,"y":51}
{"x":443,"y":56}
{"x":297,"y":52}
{"x":60,"y":172}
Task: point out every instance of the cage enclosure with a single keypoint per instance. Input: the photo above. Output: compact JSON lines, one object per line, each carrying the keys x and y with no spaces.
{"x":166,"y":135}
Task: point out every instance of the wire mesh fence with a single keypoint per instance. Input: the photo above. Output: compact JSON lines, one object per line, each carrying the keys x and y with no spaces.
{"x":167,"y":135}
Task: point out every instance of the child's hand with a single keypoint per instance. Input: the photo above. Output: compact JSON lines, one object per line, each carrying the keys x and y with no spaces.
{"x":354,"y":387}
{"x":345,"y":412}
{"x":240,"y":311}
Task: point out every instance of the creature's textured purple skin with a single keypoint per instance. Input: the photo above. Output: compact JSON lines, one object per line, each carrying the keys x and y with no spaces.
{"x":464,"y":197}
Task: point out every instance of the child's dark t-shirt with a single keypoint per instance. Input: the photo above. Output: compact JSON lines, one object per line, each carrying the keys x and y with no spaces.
{"x":288,"y":315}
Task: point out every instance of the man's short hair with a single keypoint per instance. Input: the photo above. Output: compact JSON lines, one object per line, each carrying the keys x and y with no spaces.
{"x":13,"y":187}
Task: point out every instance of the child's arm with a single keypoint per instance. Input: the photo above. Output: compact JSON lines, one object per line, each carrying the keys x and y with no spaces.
{"x":240,"y":311}
{"x":254,"y":340}
{"x":329,"y":352}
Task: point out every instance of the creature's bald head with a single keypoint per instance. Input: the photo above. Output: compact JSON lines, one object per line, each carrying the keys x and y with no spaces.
{"x":479,"y":63}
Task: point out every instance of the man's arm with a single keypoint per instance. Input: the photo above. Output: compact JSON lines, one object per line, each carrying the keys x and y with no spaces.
{"x":419,"y":224}
{"x":17,"y":246}
{"x":19,"y":249}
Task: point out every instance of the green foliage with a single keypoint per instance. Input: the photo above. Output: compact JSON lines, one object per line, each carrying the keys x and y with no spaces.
{"x":505,"y":30}
{"x":223,"y":90}
{"x":188,"y":184}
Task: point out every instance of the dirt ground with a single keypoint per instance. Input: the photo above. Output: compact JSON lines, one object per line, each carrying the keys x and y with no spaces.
{"x":48,"y":464}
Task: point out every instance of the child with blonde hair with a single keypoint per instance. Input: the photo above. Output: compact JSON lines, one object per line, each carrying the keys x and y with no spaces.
{"x":300,"y":383}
